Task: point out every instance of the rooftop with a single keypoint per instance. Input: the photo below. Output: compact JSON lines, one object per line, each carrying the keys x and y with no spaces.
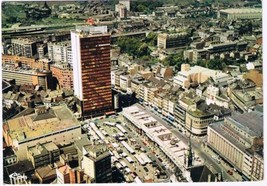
{"x":251,"y":122}
{"x":87,"y":31}
{"x":45,"y":172}
{"x":25,"y":127}
{"x":64,"y":169}
{"x":242,"y":10}
{"x":218,"y":127}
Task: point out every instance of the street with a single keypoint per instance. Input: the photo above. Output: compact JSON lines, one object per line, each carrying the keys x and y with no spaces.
{"x":204,"y":152}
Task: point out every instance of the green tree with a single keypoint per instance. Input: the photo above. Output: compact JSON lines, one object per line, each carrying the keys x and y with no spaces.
{"x":151,"y":38}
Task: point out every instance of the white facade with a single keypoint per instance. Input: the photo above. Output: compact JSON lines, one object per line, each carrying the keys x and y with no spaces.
{"x":59,"y":52}
{"x":113,"y":77}
{"x":76,"y":62}
{"x":214,"y":98}
{"x":125,"y":82}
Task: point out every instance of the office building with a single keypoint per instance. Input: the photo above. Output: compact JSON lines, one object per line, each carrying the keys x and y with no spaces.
{"x":97,"y":163}
{"x":91,"y":69}
{"x":237,"y":139}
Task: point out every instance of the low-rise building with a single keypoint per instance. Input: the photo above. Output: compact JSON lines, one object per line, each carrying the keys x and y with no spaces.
{"x":27,"y":62}
{"x":246,"y":96}
{"x":157,"y":135}
{"x":54,"y":124}
{"x":45,"y":174}
{"x":195,"y":75}
{"x":9,"y":156}
{"x":215,"y":96}
{"x":23,"y":75}
{"x":43,"y":154}
{"x":198,"y":117}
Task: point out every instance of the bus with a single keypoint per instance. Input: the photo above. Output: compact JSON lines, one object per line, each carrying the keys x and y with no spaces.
{"x":120,"y":134}
{"x":129,"y":159}
{"x":125,"y":144}
{"x":109,"y":123}
{"x":140,"y":160}
{"x":105,"y":133}
{"x":145,"y":158}
{"x":137,"y":180}
{"x":116,"y":154}
{"x":119,"y":166}
{"x":121,"y":128}
{"x":128,"y":171}
{"x":124,"y":165}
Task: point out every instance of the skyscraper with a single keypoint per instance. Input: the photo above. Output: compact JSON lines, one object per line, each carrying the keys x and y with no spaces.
{"x":91,"y":69}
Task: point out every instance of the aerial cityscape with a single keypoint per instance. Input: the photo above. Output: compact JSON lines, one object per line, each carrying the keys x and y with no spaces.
{"x":132,"y":91}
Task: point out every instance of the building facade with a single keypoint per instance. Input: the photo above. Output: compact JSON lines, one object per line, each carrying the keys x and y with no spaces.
{"x":97,"y":163}
{"x":43,"y":154}
{"x":172,"y":40}
{"x":23,"y":47}
{"x":55,"y":124}
{"x":236,"y":139}
{"x":91,"y":69}
{"x":241,"y":13}
{"x":64,"y":74}
{"x":60,"y":52}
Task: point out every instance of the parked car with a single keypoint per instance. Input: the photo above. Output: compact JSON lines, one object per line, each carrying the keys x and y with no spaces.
{"x":146,"y":169}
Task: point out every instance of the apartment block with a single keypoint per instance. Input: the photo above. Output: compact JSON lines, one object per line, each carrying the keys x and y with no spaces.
{"x":64,"y":74}
{"x":23,"y":47}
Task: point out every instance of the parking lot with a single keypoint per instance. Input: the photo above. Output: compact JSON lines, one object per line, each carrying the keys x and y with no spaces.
{"x":147,"y":172}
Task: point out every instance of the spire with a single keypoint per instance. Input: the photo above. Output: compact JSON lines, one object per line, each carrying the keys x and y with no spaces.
{"x":46,"y":5}
{"x":189,"y":151}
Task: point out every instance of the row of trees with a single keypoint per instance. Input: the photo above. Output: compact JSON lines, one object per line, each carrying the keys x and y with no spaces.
{"x":219,"y":64}
{"x":175,"y":60}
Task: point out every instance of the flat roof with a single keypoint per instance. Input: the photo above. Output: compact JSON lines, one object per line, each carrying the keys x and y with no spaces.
{"x":251,"y":122}
{"x":25,"y":127}
{"x":176,"y":151}
{"x":242,"y":10}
